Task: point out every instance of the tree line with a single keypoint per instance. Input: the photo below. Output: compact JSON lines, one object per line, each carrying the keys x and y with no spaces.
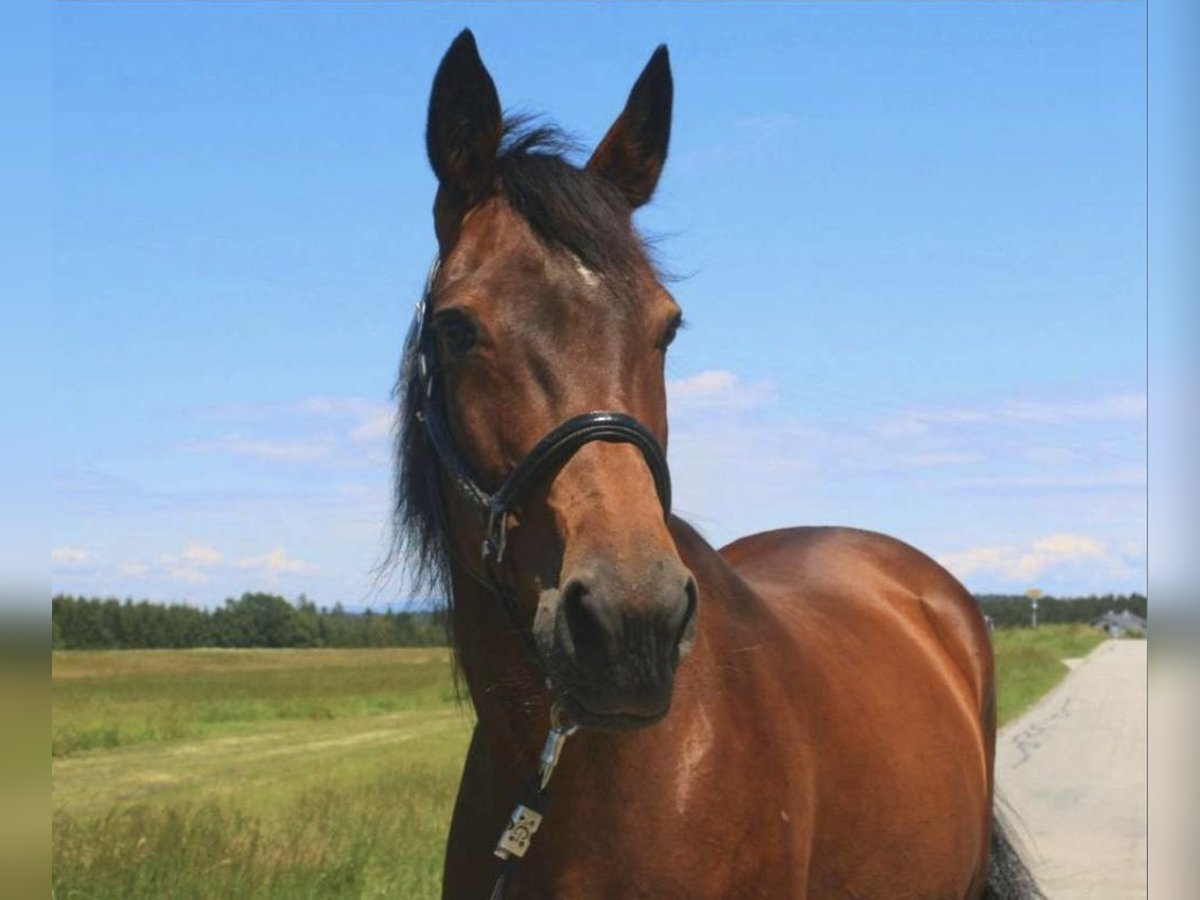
{"x":268,"y":620}
{"x":1013,"y":610}
{"x":252,"y":620}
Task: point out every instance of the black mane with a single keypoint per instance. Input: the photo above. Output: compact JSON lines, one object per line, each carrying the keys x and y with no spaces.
{"x":568,"y":208}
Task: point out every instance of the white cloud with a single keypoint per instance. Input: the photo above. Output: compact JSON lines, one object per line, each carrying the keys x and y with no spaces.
{"x":134,"y":567}
{"x":277,"y":562}
{"x":1055,"y":549}
{"x":965,"y":563}
{"x":1116,"y":408}
{"x":717,"y":389}
{"x":1050,"y":454}
{"x":187,"y":574}
{"x":375,"y":426}
{"x":372,"y":419}
{"x":931,"y":460}
{"x":1129,"y":406}
{"x":356,"y":420}
{"x":190,"y":566}
{"x":318,"y":406}
{"x":1135,"y":549}
{"x":1046,"y":554}
{"x":1126,"y":477}
{"x":266,"y":449}
{"x":916,"y":422}
{"x":201,"y":554}
{"x":71,"y":557}
{"x":332,"y":407}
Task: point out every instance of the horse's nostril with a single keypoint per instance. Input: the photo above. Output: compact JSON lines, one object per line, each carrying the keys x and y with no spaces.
{"x":573,"y":594}
{"x":584,"y":621}
{"x":683,"y":634}
{"x":692,"y":599}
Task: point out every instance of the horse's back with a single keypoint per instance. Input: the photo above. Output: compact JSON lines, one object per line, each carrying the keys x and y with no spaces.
{"x":888,"y":668}
{"x":846,"y":574}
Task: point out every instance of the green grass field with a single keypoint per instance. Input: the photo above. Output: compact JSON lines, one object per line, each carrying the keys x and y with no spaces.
{"x":1030,"y":662}
{"x":253,"y":773}
{"x":295,"y":773}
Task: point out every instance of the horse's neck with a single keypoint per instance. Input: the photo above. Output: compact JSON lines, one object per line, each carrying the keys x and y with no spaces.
{"x":507,"y":689}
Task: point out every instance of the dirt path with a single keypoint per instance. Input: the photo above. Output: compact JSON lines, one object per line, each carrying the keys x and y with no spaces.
{"x":1073,"y":769}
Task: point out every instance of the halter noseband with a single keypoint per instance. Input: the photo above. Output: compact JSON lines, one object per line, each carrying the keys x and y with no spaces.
{"x":550,"y":452}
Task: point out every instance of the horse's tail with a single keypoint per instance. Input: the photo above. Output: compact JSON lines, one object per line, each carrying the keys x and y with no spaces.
{"x":1008,"y":877}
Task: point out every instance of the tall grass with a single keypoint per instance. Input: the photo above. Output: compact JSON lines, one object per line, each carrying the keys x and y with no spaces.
{"x":383,"y":837}
{"x":1029,"y":662}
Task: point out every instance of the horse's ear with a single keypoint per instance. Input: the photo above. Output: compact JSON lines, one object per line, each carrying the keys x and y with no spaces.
{"x":462,"y":135}
{"x":634,"y":150}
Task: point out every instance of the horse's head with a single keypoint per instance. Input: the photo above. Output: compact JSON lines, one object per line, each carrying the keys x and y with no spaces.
{"x":545,"y":306}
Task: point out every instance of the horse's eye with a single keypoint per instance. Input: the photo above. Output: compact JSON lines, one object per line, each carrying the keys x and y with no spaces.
{"x":456,"y":332}
{"x":670,"y":331}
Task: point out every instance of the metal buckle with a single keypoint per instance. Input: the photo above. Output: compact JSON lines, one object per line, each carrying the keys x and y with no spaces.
{"x":422,"y":360}
{"x":560,"y":730}
{"x":495,"y":538}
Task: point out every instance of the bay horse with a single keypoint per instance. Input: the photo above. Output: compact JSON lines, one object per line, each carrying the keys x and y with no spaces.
{"x":803,"y":713}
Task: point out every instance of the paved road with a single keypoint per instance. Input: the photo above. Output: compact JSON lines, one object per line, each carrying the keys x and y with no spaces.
{"x":1073,"y":770}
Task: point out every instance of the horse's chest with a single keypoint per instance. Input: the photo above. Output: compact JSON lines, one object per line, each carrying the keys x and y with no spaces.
{"x":722,"y":850}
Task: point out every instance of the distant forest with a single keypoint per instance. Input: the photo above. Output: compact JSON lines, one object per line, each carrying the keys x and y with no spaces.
{"x":267,"y":620}
{"x":252,"y":620}
{"x":1013,"y":611}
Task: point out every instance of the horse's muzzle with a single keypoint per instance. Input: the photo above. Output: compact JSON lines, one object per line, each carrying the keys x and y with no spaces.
{"x":614,"y":640}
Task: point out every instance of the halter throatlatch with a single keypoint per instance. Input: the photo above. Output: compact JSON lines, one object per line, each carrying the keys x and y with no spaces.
{"x":494,"y":507}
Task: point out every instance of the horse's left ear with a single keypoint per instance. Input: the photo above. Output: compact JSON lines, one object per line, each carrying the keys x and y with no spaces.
{"x":634,"y":150}
{"x":464,"y":127}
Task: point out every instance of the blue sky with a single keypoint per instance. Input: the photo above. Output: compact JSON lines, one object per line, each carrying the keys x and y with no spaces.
{"x":913,"y":237}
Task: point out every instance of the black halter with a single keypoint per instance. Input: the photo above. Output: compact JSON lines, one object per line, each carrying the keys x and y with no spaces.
{"x":547,"y":455}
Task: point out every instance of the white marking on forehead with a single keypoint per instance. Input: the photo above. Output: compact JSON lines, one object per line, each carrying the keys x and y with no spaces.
{"x":589,"y":277}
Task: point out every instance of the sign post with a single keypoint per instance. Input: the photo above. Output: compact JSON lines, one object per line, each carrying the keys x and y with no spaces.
{"x":1033,"y":594}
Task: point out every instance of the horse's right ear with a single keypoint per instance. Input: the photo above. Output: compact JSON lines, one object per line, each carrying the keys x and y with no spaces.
{"x":632,"y":154}
{"x":462,"y":134}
